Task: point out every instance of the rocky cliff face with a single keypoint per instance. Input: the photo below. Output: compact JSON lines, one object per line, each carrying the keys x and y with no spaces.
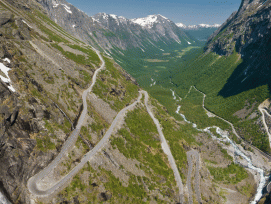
{"x":243,"y":29}
{"x":111,"y":31}
{"x":247,"y":32}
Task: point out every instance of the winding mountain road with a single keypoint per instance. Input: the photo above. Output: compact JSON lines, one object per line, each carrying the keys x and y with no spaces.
{"x":67,"y":146}
{"x":190,"y":155}
{"x":233,"y":128}
{"x":263,"y":111}
{"x":166,"y":149}
{"x":237,"y":150}
{"x":33,"y":182}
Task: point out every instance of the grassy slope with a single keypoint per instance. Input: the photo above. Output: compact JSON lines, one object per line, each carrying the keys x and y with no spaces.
{"x":111,"y":78}
{"x":137,"y":140}
{"x":180,"y":68}
{"x":139,"y":66}
{"x":209,"y":73}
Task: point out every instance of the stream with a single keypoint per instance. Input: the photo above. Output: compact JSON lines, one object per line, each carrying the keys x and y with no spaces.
{"x":225,"y":138}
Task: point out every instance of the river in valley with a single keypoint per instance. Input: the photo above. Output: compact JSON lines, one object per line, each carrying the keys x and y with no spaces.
{"x":225,"y":139}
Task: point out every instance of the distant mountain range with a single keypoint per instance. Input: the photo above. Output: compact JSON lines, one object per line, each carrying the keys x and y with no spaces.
{"x":112,"y":32}
{"x":201,"y":32}
{"x":199,"y":26}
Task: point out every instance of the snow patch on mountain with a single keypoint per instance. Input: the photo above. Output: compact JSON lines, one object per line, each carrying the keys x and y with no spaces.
{"x":3,"y":199}
{"x":114,"y":16}
{"x":104,"y":15}
{"x":6,"y":78}
{"x":178,"y":41}
{"x":26,"y":23}
{"x":181,"y":25}
{"x":192,"y":26}
{"x":67,"y":8}
{"x":105,"y":18}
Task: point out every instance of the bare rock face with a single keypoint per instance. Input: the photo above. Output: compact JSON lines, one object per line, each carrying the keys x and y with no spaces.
{"x":15,"y":143}
{"x":250,"y":25}
{"x":11,"y":27}
{"x":24,"y":5}
{"x":5,"y":17}
{"x":18,"y":159}
{"x":248,"y":33}
{"x":247,"y":3}
{"x":19,"y":119}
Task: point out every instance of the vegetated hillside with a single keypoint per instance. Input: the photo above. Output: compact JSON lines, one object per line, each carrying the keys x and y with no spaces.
{"x":234,"y":70}
{"x":111,"y":31}
{"x":247,"y":32}
{"x":48,"y":70}
{"x":129,"y":42}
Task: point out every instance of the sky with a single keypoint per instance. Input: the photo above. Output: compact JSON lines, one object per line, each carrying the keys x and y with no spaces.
{"x":188,"y":12}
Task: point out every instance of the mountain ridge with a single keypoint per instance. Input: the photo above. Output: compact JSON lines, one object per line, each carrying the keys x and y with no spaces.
{"x":111,"y":31}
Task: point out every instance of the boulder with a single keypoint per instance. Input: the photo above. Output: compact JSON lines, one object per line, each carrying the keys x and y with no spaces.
{"x":5,"y":17}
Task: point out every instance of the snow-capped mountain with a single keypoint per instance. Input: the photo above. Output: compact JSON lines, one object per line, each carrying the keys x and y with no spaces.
{"x":181,"y":25}
{"x":110,"y":31}
{"x":150,"y":20}
{"x":209,"y":26}
{"x":193,"y":27}
{"x":155,"y":27}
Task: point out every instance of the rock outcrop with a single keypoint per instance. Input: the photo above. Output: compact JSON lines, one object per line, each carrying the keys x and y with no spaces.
{"x":247,"y":32}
